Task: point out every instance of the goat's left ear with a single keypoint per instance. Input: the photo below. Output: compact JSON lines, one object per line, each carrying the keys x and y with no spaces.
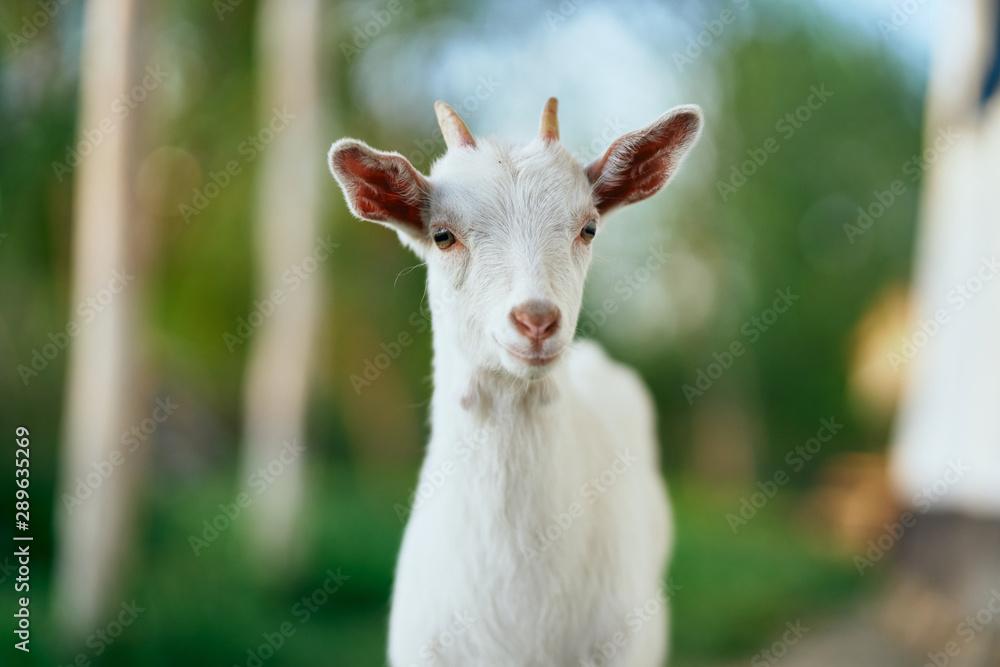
{"x":381,"y":187}
{"x":638,"y":164}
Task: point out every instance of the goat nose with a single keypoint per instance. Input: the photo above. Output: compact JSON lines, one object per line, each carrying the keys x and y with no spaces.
{"x":537,"y":320}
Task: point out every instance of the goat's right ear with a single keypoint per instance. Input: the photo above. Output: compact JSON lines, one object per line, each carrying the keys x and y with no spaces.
{"x":638,"y":164}
{"x":381,"y":187}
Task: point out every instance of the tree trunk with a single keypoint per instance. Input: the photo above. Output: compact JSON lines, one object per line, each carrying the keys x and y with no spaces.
{"x":92,"y":534}
{"x":291,"y":261}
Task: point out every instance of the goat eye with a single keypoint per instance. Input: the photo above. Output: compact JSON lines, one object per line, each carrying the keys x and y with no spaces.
{"x":444,"y":238}
{"x":589,"y":231}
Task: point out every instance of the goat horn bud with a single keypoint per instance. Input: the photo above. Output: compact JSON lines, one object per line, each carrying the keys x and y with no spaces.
{"x":548,"y":129}
{"x":456,"y":134}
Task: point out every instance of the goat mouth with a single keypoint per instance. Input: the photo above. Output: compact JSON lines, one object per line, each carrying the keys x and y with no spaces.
{"x":530,"y":359}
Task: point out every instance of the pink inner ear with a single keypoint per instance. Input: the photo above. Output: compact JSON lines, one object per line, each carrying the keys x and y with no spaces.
{"x":386,"y":189}
{"x":639,"y":163}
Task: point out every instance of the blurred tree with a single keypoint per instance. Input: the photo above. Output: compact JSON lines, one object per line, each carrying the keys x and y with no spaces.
{"x":93,"y":527}
{"x":289,"y":252}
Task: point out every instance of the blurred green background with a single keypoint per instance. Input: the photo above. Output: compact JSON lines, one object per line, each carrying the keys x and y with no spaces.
{"x":610,"y":63}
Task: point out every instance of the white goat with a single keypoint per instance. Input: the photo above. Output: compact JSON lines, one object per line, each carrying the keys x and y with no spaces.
{"x":543,"y":530}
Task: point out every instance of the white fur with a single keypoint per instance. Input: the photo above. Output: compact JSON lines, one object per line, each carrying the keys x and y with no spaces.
{"x":515,"y":448}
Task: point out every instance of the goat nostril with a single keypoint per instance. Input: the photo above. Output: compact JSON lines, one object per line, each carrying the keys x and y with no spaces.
{"x":536,"y":319}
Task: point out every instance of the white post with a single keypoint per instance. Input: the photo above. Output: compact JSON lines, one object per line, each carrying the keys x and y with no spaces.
{"x":950,"y":405}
